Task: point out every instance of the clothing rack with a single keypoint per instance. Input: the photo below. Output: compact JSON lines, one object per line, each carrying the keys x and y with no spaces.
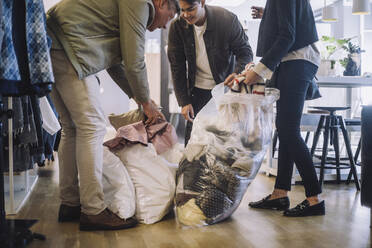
{"x":13,"y":233}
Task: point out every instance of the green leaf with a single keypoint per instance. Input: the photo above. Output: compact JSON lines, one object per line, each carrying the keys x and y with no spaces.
{"x":344,"y":62}
{"x":325,"y":38}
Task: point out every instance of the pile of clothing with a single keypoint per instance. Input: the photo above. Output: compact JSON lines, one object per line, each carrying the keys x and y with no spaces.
{"x":140,"y":169}
{"x":228,"y":143}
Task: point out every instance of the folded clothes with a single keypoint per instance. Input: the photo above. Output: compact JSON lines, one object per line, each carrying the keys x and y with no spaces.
{"x":162,"y":135}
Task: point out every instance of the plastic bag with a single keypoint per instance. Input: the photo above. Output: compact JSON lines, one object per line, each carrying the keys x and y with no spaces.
{"x":118,"y":189}
{"x":228,"y":143}
{"x":154,"y":180}
{"x":50,"y":121}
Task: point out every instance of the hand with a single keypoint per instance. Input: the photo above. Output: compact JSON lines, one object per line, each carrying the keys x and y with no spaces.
{"x":152,"y":112}
{"x":257,"y":12}
{"x":251,"y":77}
{"x":188,"y":112}
{"x":229,"y":81}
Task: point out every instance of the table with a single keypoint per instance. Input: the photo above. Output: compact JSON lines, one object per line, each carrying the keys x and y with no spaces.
{"x":347,"y":82}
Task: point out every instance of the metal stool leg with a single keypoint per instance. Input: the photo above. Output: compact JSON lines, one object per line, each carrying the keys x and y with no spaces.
{"x":307,"y":137}
{"x":325,"y":150}
{"x":335,"y":127}
{"x":316,"y":135}
{"x":357,"y":152}
{"x":349,"y":152}
{"x":275,"y":141}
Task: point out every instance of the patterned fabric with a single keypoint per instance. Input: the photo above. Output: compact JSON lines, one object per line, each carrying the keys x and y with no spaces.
{"x":37,"y":43}
{"x":39,"y":61}
{"x":1,"y":23}
{"x":8,"y":62}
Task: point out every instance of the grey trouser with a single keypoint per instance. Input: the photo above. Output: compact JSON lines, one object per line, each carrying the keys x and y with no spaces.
{"x":80,"y":152}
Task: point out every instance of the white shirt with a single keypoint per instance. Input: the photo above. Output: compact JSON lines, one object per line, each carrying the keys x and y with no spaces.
{"x":309,"y":53}
{"x":203,"y":76}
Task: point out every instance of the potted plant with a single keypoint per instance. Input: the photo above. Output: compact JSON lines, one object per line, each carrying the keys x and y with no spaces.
{"x":351,"y":63}
{"x":344,"y":49}
{"x":331,"y":52}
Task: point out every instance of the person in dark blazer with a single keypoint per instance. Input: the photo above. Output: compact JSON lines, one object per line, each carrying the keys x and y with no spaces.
{"x":205,"y":45}
{"x":290,"y":60}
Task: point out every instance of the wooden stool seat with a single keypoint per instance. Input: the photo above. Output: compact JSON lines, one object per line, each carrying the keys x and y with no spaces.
{"x":318,"y":111}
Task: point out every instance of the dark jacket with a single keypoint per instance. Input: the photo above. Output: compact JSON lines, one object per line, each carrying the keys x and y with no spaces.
{"x":366,"y":196}
{"x":286,"y":26}
{"x":226,"y":45}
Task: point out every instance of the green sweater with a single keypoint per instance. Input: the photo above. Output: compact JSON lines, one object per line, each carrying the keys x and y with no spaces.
{"x":105,"y":34}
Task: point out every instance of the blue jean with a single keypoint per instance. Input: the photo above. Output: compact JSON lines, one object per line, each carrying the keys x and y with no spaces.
{"x":199,"y":98}
{"x":292,"y":79}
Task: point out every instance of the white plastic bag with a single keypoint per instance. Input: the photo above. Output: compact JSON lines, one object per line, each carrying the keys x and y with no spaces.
{"x":50,"y":121}
{"x":154,"y":180}
{"x":118,"y":189}
{"x":228,"y":143}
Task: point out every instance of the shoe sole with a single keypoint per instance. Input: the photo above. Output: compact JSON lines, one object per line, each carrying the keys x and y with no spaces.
{"x":306,"y":215}
{"x":68,"y":219}
{"x":88,"y":227}
{"x":268,"y":208}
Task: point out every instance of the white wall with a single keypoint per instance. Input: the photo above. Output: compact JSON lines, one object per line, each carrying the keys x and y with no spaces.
{"x":114,"y":100}
{"x":367,"y":43}
{"x":243,"y":12}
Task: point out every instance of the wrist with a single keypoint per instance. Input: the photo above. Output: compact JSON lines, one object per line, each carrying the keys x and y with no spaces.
{"x":146,"y":104}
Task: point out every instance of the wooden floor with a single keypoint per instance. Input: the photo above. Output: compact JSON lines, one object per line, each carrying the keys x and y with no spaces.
{"x":346,"y":223}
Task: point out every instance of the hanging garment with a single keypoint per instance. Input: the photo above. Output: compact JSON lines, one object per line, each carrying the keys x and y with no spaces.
{"x":37,"y":150}
{"x":24,"y":133}
{"x":28,"y":134}
{"x":23,"y":120}
{"x":1,"y":23}
{"x":58,"y":139}
{"x":25,"y":64}
{"x":51,"y":124}
{"x":18,"y":116}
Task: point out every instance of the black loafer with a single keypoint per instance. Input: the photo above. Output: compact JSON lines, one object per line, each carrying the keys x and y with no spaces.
{"x":67,"y":213}
{"x":304,"y":209}
{"x":275,"y":204}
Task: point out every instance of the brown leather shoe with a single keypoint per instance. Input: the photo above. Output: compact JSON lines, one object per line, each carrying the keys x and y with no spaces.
{"x":67,"y":213}
{"x":106,"y":220}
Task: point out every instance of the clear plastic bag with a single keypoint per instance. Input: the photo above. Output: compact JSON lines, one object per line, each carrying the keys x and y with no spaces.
{"x":229,"y":139}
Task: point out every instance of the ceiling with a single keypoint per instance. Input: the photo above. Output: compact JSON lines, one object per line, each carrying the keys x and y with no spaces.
{"x":316,"y":4}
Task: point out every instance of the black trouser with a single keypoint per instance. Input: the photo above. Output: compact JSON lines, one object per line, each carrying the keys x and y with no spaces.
{"x":292,"y":79}
{"x":199,"y":98}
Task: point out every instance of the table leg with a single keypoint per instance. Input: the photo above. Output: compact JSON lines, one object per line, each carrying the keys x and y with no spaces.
{"x":349,"y":102}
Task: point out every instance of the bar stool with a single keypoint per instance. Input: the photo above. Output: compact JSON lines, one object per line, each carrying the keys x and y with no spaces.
{"x":354,"y":125}
{"x":330,"y":129}
{"x":309,"y":122}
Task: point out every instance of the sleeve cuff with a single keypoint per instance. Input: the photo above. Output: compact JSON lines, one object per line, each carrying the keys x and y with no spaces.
{"x":142,"y":98}
{"x":262,"y":71}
